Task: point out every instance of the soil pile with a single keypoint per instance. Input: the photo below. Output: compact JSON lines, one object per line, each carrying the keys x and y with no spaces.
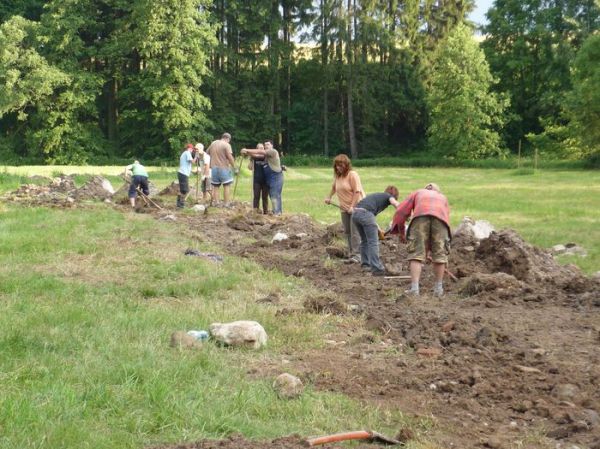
{"x":62,"y":192}
{"x":58,"y":193}
{"x":487,"y":360}
{"x":97,"y":188}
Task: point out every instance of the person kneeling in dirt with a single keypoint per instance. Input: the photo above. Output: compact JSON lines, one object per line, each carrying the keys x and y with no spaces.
{"x":139,"y":180}
{"x":429,"y":230}
{"x":363,"y":217}
{"x":187,"y":158}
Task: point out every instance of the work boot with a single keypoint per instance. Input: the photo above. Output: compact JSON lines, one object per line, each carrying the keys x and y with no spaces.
{"x":180,"y":202}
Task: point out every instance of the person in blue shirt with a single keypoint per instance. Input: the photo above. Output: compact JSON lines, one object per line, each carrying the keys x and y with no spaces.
{"x":186,"y":160}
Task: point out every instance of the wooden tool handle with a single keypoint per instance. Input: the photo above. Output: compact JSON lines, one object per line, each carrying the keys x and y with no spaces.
{"x":356,"y":435}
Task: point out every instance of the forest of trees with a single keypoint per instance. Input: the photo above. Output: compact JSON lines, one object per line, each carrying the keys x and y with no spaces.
{"x":83,"y":80}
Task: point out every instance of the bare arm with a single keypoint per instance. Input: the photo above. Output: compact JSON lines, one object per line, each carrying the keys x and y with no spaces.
{"x":394,"y":202}
{"x":331,"y":193}
{"x":254,"y":152}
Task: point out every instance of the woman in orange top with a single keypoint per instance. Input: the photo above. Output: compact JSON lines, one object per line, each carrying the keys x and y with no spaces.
{"x":348,"y":188}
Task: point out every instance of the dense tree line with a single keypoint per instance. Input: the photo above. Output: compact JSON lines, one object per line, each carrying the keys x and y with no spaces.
{"x":82,"y":79}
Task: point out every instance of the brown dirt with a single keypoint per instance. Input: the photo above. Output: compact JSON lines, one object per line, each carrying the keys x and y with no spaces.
{"x":508,"y":358}
{"x":62,"y":192}
{"x":487,"y":362}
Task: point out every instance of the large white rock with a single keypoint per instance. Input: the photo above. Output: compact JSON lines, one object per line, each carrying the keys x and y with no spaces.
{"x":279,"y":237}
{"x":480,"y":229}
{"x":199,"y":208}
{"x":249,"y":334}
{"x":106,"y":185}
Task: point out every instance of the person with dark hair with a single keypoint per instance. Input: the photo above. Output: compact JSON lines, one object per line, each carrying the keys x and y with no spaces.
{"x":363,"y":216}
{"x":139,"y":179}
{"x":221,"y":159}
{"x":260,"y":189}
{"x":348,"y":188}
{"x":187,"y":158}
{"x":273,"y":173}
{"x":428,"y":234}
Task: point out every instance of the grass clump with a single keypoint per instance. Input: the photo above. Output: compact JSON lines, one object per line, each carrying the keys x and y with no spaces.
{"x":85,"y":323}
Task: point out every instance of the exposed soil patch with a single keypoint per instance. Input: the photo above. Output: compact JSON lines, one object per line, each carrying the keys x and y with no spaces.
{"x":508,"y":358}
{"x":485,"y":361}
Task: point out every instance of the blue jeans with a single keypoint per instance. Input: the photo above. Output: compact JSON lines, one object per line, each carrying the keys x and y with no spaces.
{"x":369,"y":239}
{"x":275,"y":183}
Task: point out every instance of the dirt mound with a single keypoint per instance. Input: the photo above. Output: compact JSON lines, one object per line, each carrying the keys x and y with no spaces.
{"x":97,"y":188}
{"x":486,"y":360}
{"x":56,"y":194}
{"x":171,"y":189}
{"x":325,"y":304}
{"x":487,"y":283}
{"x":63,"y":183}
{"x":62,"y":192}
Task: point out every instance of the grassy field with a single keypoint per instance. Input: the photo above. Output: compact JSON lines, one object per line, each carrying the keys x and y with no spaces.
{"x":89,"y":297}
{"x":545,"y":207}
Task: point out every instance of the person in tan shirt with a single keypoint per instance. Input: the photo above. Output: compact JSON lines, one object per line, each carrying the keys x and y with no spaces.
{"x":221,"y":159}
{"x":348,"y":188}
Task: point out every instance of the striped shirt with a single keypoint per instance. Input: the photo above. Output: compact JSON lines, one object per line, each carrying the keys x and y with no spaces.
{"x":419,"y":203}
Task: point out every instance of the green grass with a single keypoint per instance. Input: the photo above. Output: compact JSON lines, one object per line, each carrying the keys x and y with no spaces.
{"x":88,"y":299}
{"x":546,"y":207}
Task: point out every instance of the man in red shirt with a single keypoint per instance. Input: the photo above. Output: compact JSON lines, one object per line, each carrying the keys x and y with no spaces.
{"x":428,"y":232}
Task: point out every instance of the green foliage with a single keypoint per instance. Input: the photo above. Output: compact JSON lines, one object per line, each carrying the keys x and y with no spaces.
{"x":464,"y":113}
{"x":584,"y":100}
{"x":530,"y":45}
{"x":577,"y":134}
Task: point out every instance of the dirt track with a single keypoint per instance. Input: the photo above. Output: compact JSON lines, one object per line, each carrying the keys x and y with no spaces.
{"x":509,"y":358}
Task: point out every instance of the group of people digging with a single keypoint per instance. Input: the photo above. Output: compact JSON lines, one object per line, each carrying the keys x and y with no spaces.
{"x":427,"y":235}
{"x":217,"y":168}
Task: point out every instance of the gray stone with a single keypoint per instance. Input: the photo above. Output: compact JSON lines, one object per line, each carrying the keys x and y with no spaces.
{"x":558,"y":249}
{"x":479,"y":229}
{"x":248,"y":334}
{"x":566,"y":392}
{"x":279,"y":237}
{"x":288,"y":386}
{"x":591,"y":417}
{"x":199,"y":208}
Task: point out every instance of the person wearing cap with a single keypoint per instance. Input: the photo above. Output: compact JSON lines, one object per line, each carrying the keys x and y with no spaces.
{"x":186,"y":160}
{"x":139,"y":180}
{"x":363,"y":217}
{"x":428,"y":232}
{"x":204,"y":169}
{"x":222,"y":166}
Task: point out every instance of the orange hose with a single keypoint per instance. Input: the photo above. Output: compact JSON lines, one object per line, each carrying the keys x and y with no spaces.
{"x":356,"y":435}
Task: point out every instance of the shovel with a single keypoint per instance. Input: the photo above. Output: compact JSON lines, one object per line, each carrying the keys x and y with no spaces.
{"x":371,"y":436}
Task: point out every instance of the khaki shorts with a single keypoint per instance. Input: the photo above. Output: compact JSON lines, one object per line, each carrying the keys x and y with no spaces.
{"x":428,"y":234}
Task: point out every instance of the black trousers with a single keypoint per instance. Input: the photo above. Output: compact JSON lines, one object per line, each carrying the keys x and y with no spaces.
{"x":260,"y":190}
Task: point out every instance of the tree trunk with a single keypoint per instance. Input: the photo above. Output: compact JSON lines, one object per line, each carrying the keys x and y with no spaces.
{"x":112,"y":112}
{"x":324,"y":68}
{"x":350,"y":85}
